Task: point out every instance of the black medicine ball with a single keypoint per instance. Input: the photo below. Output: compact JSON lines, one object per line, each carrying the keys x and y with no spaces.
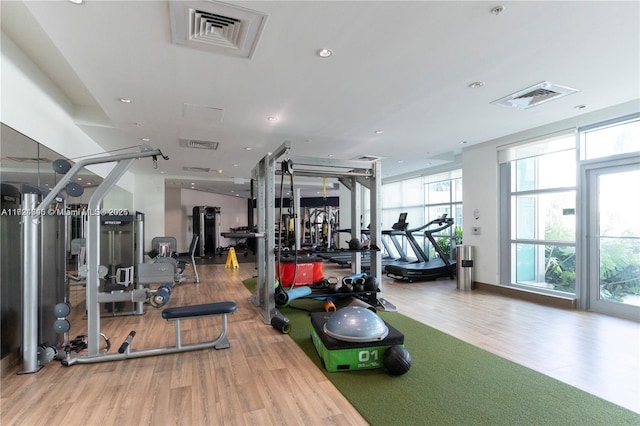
{"x":370,"y":283}
{"x":396,"y":360}
{"x":355,"y":244}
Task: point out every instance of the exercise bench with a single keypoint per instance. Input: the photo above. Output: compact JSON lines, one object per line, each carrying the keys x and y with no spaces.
{"x":196,"y":311}
{"x":176,"y":314}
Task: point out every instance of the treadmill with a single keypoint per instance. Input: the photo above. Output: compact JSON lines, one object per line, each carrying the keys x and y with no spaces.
{"x":397,"y":229}
{"x":425,"y":268}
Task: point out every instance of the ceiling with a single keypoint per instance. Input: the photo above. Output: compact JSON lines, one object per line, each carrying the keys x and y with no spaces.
{"x":397,"y":87}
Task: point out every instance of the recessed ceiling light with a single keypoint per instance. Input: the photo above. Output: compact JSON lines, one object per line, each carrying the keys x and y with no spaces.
{"x":325,"y":53}
{"x":272,"y":118}
{"x":247,"y":148}
{"x":79,"y":178}
{"x":476,"y":85}
{"x":379,"y":132}
{"x":330,"y":155}
{"x":219,"y":171}
{"x":497,"y":10}
{"x":400,"y":161}
{"x":76,"y":1}
{"x":235,"y":165}
{"x":125,"y":100}
{"x":463,"y":142}
{"x":580,"y":107}
{"x":145,"y":139}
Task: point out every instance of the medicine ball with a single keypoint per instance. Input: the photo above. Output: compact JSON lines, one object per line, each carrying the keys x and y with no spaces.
{"x":396,"y":360}
{"x":355,"y":244}
{"x":370,"y":283}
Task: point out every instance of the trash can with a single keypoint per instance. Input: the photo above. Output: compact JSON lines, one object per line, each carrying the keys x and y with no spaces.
{"x":464,"y":267}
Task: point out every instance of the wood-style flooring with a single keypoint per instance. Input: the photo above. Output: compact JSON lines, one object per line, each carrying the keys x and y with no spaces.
{"x":265,"y":379}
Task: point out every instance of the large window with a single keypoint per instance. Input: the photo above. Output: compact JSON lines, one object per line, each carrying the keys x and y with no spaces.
{"x":444,"y":197}
{"x":615,"y":138}
{"x":425,"y":198}
{"x":610,"y":176}
{"x":541,"y":219}
{"x":541,"y":201}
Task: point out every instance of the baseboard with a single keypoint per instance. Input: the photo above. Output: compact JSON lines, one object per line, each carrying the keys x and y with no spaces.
{"x":530,"y":296}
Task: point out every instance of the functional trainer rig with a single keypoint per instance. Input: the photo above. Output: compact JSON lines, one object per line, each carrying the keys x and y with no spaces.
{"x":353,"y":174}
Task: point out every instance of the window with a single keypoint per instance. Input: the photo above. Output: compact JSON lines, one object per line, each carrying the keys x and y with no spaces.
{"x":618,"y":137}
{"x":541,"y":201}
{"x":444,"y":197}
{"x":426,"y":198}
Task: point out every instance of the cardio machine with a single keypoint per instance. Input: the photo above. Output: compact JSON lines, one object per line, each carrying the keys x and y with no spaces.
{"x":424,"y":268}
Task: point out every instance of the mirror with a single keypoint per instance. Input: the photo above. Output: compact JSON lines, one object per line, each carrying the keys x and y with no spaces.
{"x":23,"y":160}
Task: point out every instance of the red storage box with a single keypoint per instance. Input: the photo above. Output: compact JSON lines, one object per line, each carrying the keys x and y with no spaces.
{"x":309,"y":270}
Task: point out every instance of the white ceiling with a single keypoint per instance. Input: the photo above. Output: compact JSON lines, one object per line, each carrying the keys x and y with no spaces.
{"x":400,"y":67}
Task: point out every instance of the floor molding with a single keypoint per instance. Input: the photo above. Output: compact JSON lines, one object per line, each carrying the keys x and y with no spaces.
{"x":530,"y":296}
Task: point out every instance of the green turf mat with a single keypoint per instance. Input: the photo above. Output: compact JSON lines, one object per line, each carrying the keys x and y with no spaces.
{"x":454,"y":383}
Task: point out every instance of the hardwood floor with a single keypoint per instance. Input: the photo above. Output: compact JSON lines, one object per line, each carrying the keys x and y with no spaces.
{"x":264,"y":378}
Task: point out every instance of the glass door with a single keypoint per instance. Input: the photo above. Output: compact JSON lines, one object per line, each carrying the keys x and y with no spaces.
{"x":613,"y":237}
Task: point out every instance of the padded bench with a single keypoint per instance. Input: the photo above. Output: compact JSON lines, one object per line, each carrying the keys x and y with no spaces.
{"x":217,"y":308}
{"x":196,"y":311}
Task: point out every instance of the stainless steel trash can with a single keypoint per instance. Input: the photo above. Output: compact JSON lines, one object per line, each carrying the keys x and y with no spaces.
{"x":464,"y":267}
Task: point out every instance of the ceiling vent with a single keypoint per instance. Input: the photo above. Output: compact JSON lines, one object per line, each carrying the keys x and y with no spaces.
{"x":535,"y":95}
{"x":368,"y":158}
{"x":193,"y":143}
{"x":217,"y":27}
{"x":196,"y":169}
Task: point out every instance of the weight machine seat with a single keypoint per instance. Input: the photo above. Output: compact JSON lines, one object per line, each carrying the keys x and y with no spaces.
{"x":169,"y":242}
{"x":216,"y":308}
{"x":189,"y":259}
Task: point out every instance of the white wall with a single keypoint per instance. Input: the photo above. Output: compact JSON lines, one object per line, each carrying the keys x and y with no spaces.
{"x":480,"y":186}
{"x":34,"y":106}
{"x":173,"y":218}
{"x":149,"y":199}
{"x":480,"y":191}
{"x":233,"y":213}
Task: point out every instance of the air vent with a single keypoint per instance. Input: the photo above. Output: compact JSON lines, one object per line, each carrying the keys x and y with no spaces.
{"x":368,"y":158}
{"x":535,"y":95}
{"x":216,"y":26}
{"x":193,"y":143}
{"x":197,"y":169}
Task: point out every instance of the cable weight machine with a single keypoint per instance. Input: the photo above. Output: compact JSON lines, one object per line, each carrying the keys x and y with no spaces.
{"x":354,"y":174}
{"x":31,"y":224}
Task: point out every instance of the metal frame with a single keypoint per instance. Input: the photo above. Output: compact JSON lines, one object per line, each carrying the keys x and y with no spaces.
{"x":352,"y":173}
{"x":30,"y":230}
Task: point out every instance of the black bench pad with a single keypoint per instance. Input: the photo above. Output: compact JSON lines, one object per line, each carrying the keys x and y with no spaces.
{"x":217,"y":308}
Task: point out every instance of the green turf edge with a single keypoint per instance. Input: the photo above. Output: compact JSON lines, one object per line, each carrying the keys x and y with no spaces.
{"x":453,"y":382}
